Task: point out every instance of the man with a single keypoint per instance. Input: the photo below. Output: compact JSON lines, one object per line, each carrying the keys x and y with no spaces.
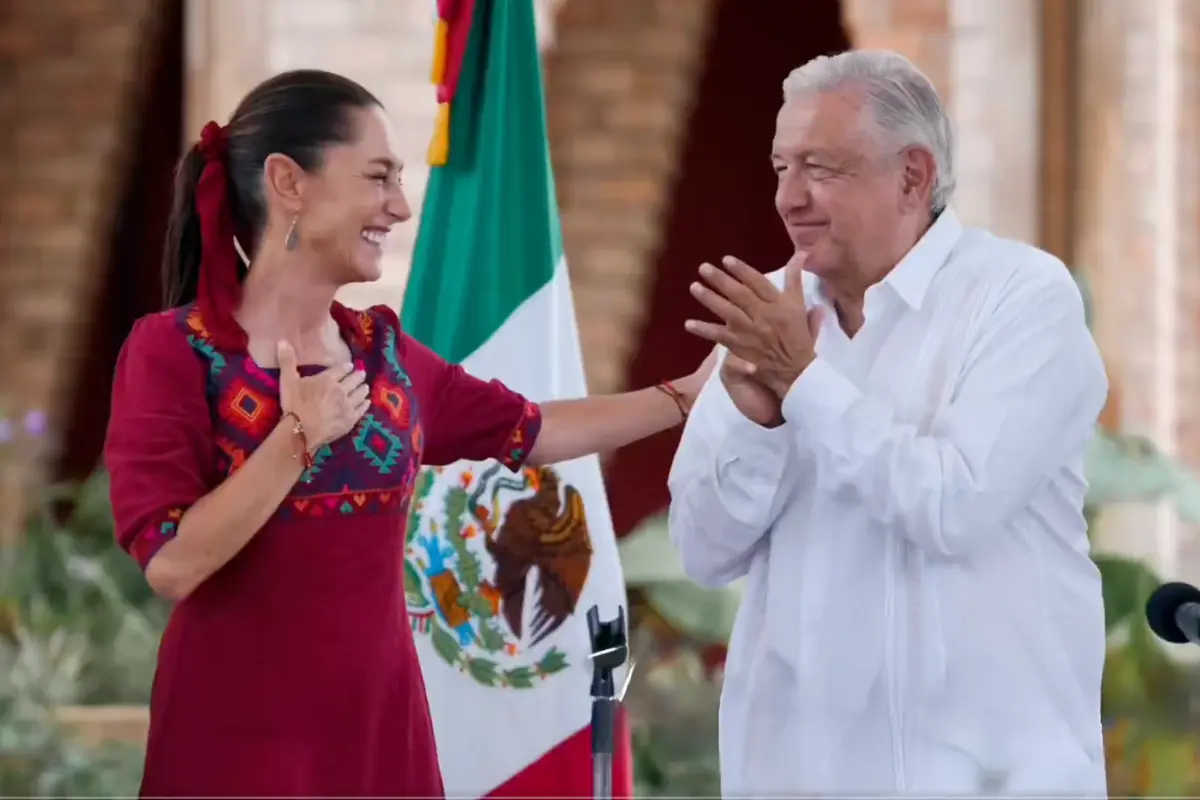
{"x":893,"y":457}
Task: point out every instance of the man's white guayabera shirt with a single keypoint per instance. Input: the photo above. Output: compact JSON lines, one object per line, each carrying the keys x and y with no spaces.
{"x":921,"y":613}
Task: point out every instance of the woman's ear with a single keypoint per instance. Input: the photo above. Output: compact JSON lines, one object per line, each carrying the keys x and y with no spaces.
{"x":284,"y":179}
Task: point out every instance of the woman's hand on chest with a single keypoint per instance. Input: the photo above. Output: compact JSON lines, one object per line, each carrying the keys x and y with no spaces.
{"x":329,"y":404}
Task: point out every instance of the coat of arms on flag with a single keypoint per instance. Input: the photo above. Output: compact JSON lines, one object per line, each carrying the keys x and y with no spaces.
{"x":494,"y":564}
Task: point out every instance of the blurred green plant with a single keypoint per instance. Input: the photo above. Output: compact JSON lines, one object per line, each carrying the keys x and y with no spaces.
{"x":37,"y":757}
{"x":678,"y":633}
{"x":78,"y":626}
{"x":1151,"y":743}
{"x":66,"y":575}
{"x":1148,"y":699}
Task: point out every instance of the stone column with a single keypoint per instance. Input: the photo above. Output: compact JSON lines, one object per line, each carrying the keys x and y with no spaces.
{"x":995,"y":73}
{"x":982,"y":56}
{"x":1137,"y":237}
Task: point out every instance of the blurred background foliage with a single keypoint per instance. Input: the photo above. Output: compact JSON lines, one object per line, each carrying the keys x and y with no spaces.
{"x":78,"y":627}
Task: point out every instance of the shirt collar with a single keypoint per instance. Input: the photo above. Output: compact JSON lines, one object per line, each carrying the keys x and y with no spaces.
{"x":911,"y":277}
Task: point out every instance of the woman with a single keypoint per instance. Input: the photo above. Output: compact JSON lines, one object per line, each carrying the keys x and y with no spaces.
{"x":247,"y":476}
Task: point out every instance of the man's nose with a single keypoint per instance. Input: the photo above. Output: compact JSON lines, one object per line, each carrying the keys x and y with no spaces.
{"x":794,"y":191}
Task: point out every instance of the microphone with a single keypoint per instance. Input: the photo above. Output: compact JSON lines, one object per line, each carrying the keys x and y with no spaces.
{"x":1173,"y":612}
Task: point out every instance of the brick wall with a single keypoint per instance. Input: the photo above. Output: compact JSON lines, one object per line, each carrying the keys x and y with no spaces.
{"x":620,"y":80}
{"x":68,"y":75}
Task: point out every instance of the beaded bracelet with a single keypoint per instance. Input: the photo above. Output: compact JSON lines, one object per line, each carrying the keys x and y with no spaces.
{"x":668,"y":388}
{"x":298,"y":432}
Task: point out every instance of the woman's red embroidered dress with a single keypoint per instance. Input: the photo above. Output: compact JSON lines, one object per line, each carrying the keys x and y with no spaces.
{"x":292,"y":670}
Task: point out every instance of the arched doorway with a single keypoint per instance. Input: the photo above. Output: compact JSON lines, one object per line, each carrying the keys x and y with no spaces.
{"x":721,"y":205}
{"x":130,"y":287}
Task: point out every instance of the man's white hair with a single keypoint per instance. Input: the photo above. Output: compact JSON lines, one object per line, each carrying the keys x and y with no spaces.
{"x":904,"y":105}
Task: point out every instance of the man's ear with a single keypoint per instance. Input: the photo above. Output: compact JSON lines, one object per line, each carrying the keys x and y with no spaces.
{"x":920,"y":173}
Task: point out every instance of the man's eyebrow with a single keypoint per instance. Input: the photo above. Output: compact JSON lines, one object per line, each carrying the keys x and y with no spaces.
{"x":800,"y":155}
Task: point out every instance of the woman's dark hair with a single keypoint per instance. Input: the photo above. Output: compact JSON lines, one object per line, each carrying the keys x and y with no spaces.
{"x":297,"y":114}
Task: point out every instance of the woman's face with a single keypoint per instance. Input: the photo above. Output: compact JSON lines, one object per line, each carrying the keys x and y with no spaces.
{"x":350,"y":204}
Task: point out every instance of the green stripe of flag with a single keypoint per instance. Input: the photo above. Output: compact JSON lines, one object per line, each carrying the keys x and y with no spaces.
{"x":489,"y":235}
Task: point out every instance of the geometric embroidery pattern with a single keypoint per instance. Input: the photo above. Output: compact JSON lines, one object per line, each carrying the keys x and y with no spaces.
{"x":233,"y":455}
{"x":319,"y":458}
{"x":393,"y":401}
{"x":378,"y":444}
{"x":521,"y":438}
{"x":367,"y":472}
{"x":252,"y":410}
{"x":389,"y":353}
{"x":148,"y":543}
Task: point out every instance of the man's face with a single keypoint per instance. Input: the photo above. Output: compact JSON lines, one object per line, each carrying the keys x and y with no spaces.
{"x":840,"y":194}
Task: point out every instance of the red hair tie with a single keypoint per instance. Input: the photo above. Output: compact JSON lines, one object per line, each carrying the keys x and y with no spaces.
{"x":220,"y":291}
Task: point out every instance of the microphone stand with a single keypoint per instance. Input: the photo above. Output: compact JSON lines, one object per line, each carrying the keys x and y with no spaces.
{"x":610,"y":649}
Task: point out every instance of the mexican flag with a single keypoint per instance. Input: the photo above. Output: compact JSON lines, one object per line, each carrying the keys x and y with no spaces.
{"x":508,"y":684}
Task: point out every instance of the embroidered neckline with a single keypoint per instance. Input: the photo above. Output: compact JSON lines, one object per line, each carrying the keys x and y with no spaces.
{"x":357,"y":329}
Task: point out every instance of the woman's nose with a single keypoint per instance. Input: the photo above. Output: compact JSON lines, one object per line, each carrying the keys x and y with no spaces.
{"x":397,"y":206}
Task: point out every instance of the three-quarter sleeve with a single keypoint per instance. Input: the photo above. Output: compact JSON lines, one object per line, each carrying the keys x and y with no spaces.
{"x":159,"y":449}
{"x":464,"y":417}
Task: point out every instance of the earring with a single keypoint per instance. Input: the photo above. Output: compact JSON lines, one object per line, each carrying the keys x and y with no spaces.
{"x":293,"y":236}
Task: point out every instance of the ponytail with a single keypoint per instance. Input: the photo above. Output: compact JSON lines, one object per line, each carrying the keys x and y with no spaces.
{"x":183,"y":248}
{"x":201,"y":263}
